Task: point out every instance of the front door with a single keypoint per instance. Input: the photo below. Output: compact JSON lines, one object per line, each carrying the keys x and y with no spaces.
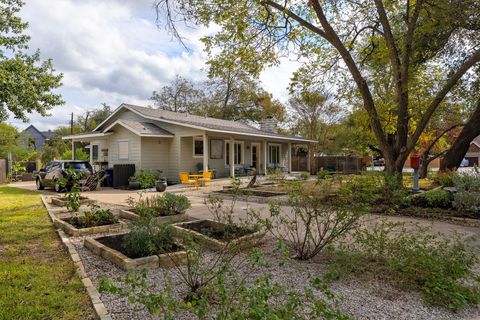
{"x":256,"y":156}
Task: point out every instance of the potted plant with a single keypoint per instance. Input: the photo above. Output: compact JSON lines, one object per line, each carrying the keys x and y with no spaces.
{"x":161,"y":184}
{"x":133,"y":183}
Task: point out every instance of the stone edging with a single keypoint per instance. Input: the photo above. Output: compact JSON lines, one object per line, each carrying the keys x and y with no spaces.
{"x":98,"y":306}
{"x":130,"y":215}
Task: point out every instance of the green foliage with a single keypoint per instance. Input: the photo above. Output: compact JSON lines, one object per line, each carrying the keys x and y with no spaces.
{"x":445,"y":179}
{"x":438,"y":198}
{"x":80,"y":154}
{"x":95,"y":217}
{"x":73,"y":198}
{"x":467,"y":197}
{"x":25,"y":81}
{"x":323,"y":174}
{"x":148,"y":238}
{"x":304,"y":175}
{"x":168,"y":204}
{"x":146,"y":178}
{"x":228,"y":296}
{"x":70,"y":181}
{"x":442,"y":270}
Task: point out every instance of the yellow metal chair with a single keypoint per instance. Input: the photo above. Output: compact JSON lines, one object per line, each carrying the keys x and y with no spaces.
{"x":207,"y":177}
{"x":184,"y":179}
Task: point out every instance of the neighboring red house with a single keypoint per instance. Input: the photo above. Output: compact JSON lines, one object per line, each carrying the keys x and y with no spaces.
{"x":473,"y":153}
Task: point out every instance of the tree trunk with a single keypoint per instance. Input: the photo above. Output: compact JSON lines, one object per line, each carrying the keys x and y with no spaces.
{"x":454,"y":156}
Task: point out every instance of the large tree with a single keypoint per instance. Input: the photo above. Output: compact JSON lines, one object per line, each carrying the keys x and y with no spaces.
{"x":25,"y":80}
{"x":368,"y":40}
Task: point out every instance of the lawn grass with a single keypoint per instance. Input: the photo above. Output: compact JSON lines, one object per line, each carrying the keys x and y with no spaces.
{"x":37,"y":277}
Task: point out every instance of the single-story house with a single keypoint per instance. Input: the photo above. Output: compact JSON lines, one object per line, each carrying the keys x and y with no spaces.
{"x":473,"y":153}
{"x":176,"y":142}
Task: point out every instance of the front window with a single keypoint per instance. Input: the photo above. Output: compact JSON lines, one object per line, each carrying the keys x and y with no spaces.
{"x":95,"y":152}
{"x":123,"y":150}
{"x":274,"y":154}
{"x":198,"y":147}
{"x":237,"y":153}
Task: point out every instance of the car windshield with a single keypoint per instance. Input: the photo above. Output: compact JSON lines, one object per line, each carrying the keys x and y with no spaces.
{"x":78,"y":165}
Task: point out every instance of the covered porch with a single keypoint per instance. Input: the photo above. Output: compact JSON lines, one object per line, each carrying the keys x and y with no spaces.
{"x":236,"y":155}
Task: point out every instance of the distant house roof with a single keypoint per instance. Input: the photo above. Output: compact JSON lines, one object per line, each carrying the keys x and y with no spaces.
{"x":45,"y":134}
{"x":199,"y":122}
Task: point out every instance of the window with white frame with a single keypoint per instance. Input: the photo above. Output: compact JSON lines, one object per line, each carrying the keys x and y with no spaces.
{"x":237,"y":153}
{"x":274,"y":154}
{"x":198,"y":147}
{"x":123,"y":150}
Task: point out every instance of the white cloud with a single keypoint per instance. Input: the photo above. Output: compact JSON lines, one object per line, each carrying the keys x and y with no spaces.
{"x":112,"y":51}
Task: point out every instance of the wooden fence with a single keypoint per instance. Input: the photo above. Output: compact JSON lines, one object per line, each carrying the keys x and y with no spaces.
{"x":299,"y":163}
{"x":343,"y":164}
{"x":3,"y":171}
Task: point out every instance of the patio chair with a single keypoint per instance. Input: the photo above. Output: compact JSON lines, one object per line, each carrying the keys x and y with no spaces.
{"x":184,"y":179}
{"x":207,"y":177}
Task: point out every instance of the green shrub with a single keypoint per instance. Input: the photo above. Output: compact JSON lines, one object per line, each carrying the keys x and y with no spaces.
{"x":364,"y":189}
{"x":95,"y":217}
{"x":304,"y":175}
{"x":467,"y":197}
{"x":437,"y":198}
{"x":146,"y":178}
{"x":445,"y":179}
{"x":414,"y":259}
{"x":323,"y":174}
{"x":148,"y":238}
{"x":157,"y":205}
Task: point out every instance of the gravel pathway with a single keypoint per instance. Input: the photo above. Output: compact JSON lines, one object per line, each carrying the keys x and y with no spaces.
{"x":359,"y":300}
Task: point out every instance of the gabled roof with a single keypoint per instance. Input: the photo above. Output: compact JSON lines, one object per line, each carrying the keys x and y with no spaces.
{"x":144,"y":129}
{"x":199,"y":122}
{"x":46,"y":134}
{"x":476,"y":141}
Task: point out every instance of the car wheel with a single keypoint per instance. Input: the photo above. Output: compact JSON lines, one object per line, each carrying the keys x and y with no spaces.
{"x":57,"y":187}
{"x":39,"y":185}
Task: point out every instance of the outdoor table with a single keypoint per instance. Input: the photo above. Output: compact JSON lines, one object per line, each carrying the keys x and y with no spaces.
{"x":195,"y":177}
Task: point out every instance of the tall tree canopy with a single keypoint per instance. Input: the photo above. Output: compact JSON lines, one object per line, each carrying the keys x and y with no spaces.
{"x":365,"y":43}
{"x":25,"y":81}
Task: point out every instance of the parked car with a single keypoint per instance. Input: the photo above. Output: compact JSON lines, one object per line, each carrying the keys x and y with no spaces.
{"x":464,"y":163}
{"x":53,"y":172}
{"x":378,"y":162}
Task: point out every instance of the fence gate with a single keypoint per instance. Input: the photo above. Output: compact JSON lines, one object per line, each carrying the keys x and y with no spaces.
{"x":299,"y":163}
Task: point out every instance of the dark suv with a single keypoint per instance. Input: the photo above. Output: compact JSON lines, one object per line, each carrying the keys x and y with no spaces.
{"x":50,"y":175}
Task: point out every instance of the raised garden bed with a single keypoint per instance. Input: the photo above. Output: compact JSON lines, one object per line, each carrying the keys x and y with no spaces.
{"x":131,"y":215}
{"x":62,"y":201}
{"x":110,"y":248}
{"x":214,"y":235}
{"x":79,"y":230}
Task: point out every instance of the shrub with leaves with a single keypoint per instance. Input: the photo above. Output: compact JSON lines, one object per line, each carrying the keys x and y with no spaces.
{"x":229,"y":296}
{"x":467,"y":197}
{"x":314,"y":219}
{"x":445,"y":179}
{"x":159,"y":205}
{"x":304,"y":175}
{"x":70,"y":182}
{"x":146,"y":237}
{"x":442,"y":270}
{"x":323,"y":174}
{"x":146,"y":178}
{"x":438,"y":198}
{"x":95,"y":217}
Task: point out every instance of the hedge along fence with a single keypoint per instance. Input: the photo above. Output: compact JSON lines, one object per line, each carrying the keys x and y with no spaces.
{"x":343,"y":164}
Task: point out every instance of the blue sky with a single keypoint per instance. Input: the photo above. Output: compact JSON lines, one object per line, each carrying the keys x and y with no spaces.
{"x":111,"y":51}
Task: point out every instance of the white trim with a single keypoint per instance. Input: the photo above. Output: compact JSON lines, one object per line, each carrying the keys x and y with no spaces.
{"x":200,"y":127}
{"x":198,"y":138}
{"x":242,"y":143}
{"x":259,"y":151}
{"x":279,"y":145}
{"x":126,"y":126}
{"x":476,"y":143}
{"x":128,"y":149}
{"x":86,"y":135}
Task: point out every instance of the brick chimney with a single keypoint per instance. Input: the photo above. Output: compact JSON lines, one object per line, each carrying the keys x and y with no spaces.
{"x":268,"y":125}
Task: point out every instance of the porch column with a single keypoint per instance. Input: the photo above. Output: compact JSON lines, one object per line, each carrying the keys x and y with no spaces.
{"x":73,"y":149}
{"x":265,"y":159}
{"x":289,"y":157}
{"x":308,"y":157}
{"x":205,"y":152}
{"x":232,"y":161}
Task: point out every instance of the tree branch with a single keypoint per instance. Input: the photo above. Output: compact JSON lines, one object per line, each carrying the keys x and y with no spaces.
{"x":452,"y":81}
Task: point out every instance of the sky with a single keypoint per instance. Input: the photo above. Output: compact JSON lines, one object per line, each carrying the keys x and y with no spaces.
{"x":112,"y":51}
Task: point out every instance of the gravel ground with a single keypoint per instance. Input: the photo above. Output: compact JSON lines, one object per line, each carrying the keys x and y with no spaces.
{"x":359,"y":300}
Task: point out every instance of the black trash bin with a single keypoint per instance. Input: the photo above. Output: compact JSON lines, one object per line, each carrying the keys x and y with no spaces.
{"x":121,"y":173}
{"x":109,"y":179}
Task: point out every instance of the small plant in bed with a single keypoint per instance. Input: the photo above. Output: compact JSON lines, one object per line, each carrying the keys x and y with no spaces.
{"x":146,"y":178}
{"x":146,"y":238}
{"x":93,"y":218}
{"x":168,"y":204}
